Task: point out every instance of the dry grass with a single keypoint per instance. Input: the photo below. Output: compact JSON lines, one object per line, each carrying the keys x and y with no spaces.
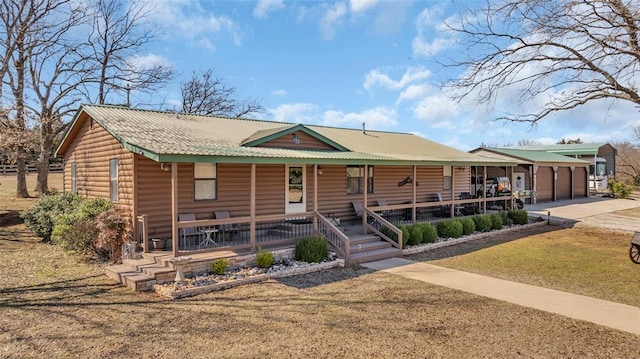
{"x":52,"y":305}
{"x":583,"y":260}
{"x":632,"y":212}
{"x":9,"y":201}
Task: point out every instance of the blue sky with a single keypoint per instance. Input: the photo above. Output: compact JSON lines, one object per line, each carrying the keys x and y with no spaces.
{"x":347,"y":62}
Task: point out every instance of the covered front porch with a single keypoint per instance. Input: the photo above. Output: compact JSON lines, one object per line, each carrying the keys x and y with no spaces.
{"x":380,"y":216}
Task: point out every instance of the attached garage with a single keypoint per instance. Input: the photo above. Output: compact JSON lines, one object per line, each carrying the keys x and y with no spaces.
{"x":553,"y":179}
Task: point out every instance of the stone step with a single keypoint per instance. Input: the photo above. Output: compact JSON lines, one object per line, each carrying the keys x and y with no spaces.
{"x":375,"y":255}
{"x":369,"y":246}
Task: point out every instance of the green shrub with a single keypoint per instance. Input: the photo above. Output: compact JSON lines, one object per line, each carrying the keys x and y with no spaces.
{"x":113,"y":232}
{"x":406,"y":234}
{"x":40,"y":219}
{"x":451,"y":228}
{"x":264,"y":259}
{"x":519,"y":216}
{"x":468,"y":226}
{"x":415,"y":235}
{"x":391,"y":234}
{"x":79,"y":237}
{"x":219,"y":266}
{"x":496,"y":220}
{"x":311,"y":250}
{"x":506,"y":220}
{"x":620,"y":189}
{"x":482,"y":222}
{"x":429,"y":233}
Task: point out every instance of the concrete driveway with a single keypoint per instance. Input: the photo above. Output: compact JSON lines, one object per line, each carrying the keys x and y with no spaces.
{"x":593,"y":211}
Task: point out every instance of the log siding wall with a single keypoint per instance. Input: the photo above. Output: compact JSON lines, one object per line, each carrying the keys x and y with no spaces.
{"x":93,"y":165}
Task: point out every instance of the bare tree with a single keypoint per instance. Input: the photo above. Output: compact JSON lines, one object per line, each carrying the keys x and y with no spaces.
{"x":21,"y":23}
{"x":206,"y":94}
{"x":628,"y":163}
{"x":119,"y":33}
{"x":565,"y":52}
{"x":528,"y":142}
{"x":569,"y":141}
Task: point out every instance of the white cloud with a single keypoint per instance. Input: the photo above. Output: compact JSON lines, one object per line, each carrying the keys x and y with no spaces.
{"x":264,"y":7}
{"x":331,"y":20}
{"x":190,"y":20}
{"x":295,"y":112}
{"x":361,"y":5}
{"x":414,"y":92}
{"x":279,"y":92}
{"x":431,"y":36}
{"x":377,"y":78}
{"x":438,"y":111}
{"x":377,"y":118}
{"x":148,"y":61}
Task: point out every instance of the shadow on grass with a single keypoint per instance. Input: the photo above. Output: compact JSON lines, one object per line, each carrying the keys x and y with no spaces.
{"x":324,"y":277}
{"x":476,"y":245}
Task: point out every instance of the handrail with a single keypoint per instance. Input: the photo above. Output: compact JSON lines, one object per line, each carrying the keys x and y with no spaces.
{"x":334,"y":235}
{"x":378,"y":218}
{"x":234,"y":220}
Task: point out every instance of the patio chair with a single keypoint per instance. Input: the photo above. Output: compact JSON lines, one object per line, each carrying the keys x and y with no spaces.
{"x":187,"y":232}
{"x":468,"y":208}
{"x":230,"y":228}
{"x":358,"y":209}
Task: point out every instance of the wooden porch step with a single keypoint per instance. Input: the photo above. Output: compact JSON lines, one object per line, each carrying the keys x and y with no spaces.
{"x":375,"y":255}
{"x":369,"y":246}
{"x":363,"y":238}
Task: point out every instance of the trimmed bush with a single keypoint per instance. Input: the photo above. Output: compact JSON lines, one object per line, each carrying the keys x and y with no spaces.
{"x":219,"y":266}
{"x":264,"y":259}
{"x":496,"y":221}
{"x":406,"y":234}
{"x":79,"y":237}
{"x":429,"y":233}
{"x":40,"y":219}
{"x":468,"y":226}
{"x":519,"y":216}
{"x":451,"y":228}
{"x":415,"y":236}
{"x":311,"y":250}
{"x":506,"y":220}
{"x":482,"y":222}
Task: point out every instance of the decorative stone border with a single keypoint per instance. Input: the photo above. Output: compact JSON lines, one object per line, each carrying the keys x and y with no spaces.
{"x":471,"y":237}
{"x":177,"y":293}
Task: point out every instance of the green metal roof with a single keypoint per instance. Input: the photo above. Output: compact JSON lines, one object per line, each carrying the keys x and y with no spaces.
{"x":173,"y":137}
{"x":530,"y":156}
{"x":567,"y":149}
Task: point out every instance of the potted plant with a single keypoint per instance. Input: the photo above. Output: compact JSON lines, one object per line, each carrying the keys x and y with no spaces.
{"x":159,"y":243}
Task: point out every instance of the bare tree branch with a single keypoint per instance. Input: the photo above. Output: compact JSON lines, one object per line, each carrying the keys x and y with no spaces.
{"x":205,"y":94}
{"x":565,"y":52}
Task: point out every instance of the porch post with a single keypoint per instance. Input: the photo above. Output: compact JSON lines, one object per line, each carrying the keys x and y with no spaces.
{"x":365,"y":199}
{"x":573,"y":168}
{"x":535,"y":184}
{"x":174,"y":208}
{"x":452,"y":208}
{"x":252,"y":208}
{"x":484,"y":189}
{"x":415,"y":194}
{"x":315,"y":197}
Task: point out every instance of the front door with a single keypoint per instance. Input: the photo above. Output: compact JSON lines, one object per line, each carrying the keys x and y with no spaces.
{"x":295,"y":189}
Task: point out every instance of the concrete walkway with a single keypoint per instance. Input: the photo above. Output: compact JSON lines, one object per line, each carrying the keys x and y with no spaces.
{"x":613,"y":315}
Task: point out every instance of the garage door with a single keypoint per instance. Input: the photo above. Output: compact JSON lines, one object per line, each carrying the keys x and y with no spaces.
{"x":564,"y":183}
{"x":580,"y":182}
{"x":544,"y":179}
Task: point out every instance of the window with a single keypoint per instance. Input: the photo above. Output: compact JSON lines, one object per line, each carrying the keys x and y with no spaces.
{"x":113,"y":179}
{"x":355,"y":175}
{"x":446,"y":177}
{"x":74,"y":178}
{"x":205,"y":178}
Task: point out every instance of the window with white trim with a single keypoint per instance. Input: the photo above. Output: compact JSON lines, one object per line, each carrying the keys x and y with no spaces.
{"x":355,"y":180}
{"x":205,"y":181}
{"x":113,"y":179}
{"x":446,"y":177}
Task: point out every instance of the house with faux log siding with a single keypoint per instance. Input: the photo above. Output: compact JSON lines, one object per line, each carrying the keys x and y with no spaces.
{"x":207,"y":183}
